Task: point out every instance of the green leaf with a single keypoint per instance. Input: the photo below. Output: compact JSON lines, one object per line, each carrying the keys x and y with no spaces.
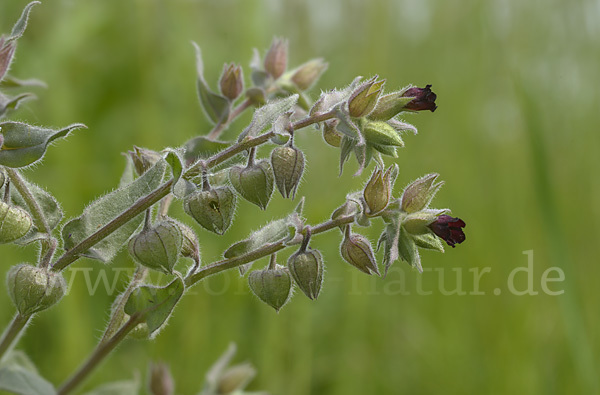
{"x":202,"y":148}
{"x":18,"y":375}
{"x":176,"y":163}
{"x":267,"y":114}
{"x":216,"y":107}
{"x":347,"y":125}
{"x":108,"y":207}
{"x":154,"y":304}
{"x":25,"y":144}
{"x":129,"y":173}
{"x":12,"y":82}
{"x":281,"y":229}
{"x":21,"y":25}
{"x":125,"y":387}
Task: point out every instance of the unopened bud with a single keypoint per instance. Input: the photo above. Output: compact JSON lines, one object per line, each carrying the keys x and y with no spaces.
{"x":276,"y":58}
{"x":306,"y":268}
{"x":7,"y":50}
{"x":330,"y":134}
{"x":212,"y":209}
{"x":381,"y":133}
{"x":158,"y":247}
{"x":14,"y":223}
{"x":272,"y":286}
{"x":232,"y":81}
{"x":364,"y":98}
{"x":357,"y":251}
{"x":288,"y":166}
{"x":161,"y":382}
{"x":419,"y":193}
{"x":34,"y":289}
{"x":253,"y":182}
{"x":143,"y":159}
{"x":378,"y":191}
{"x":307,"y":74}
{"x":389,"y":106}
{"x":235,"y":379}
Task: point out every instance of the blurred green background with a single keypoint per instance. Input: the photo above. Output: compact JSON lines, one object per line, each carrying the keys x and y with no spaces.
{"x":515,"y":138}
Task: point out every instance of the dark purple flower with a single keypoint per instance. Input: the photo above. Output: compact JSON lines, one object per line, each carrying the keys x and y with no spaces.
{"x":449,"y":229}
{"x":424,"y":99}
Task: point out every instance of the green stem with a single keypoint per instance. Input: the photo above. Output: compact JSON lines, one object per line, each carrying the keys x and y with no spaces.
{"x":12,"y":333}
{"x":101,"y":351}
{"x":261,"y":252}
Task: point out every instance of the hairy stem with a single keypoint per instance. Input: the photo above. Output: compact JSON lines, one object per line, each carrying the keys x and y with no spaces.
{"x":101,"y":351}
{"x":12,"y":333}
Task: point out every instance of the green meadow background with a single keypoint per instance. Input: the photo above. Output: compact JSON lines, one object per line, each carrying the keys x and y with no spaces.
{"x":515,"y":138}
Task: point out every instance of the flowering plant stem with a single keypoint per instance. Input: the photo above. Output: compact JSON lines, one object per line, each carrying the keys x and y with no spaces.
{"x":12,"y":333}
{"x":107,"y":345}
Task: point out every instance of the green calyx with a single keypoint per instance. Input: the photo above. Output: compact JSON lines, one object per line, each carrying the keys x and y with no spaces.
{"x":33,"y":289}
{"x":306,"y":268}
{"x":158,"y":247}
{"x":14,"y":223}
{"x":272,"y":286}
{"x":288,"y":166}
{"x":213,"y":209}
{"x":253,"y":182}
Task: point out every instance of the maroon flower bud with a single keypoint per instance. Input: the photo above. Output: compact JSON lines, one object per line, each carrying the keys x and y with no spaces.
{"x":424,"y":99}
{"x":276,"y":58}
{"x":449,"y":229}
{"x":7,"y":50}
{"x":232,"y":81}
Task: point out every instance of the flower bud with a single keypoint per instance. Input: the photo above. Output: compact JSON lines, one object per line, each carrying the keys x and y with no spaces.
{"x":235,"y":379}
{"x":254,"y":182}
{"x":424,"y":99}
{"x":232,"y":81}
{"x":357,"y":251}
{"x":158,"y":247}
{"x":34,"y":289}
{"x":378,"y":191}
{"x":288,"y":165}
{"x":418,"y":223}
{"x":306,"y":268}
{"x":143,"y":159}
{"x":419,"y":193}
{"x":364,"y":98}
{"x":272,"y":286}
{"x":389,"y":106}
{"x":160,"y":381}
{"x":449,"y":229}
{"x":381,"y":133}
{"x":330,"y":134}
{"x":308,"y":73}
{"x":14,"y":223}
{"x":7,"y":50}
{"x":276,"y":58}
{"x":212,"y":209}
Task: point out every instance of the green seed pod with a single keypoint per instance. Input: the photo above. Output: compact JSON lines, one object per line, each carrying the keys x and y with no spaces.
{"x":272,"y":286}
{"x":14,"y":223}
{"x":306,"y":267}
{"x":357,"y":251}
{"x":253,"y":182}
{"x":158,"y":247}
{"x":34,"y":289}
{"x":212,"y":209}
{"x":288,"y":165}
{"x":330,"y":134}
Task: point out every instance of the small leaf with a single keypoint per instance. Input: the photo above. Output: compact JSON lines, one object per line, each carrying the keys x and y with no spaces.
{"x":429,"y":241}
{"x":25,"y":144}
{"x":12,"y":82}
{"x":215,"y":106}
{"x":105,"y":209}
{"x":155,"y":304}
{"x":13,"y":103}
{"x":21,"y":25}
{"x":129,"y":173}
{"x":176,"y":163}
{"x":407,"y":249}
{"x":267,"y":114}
